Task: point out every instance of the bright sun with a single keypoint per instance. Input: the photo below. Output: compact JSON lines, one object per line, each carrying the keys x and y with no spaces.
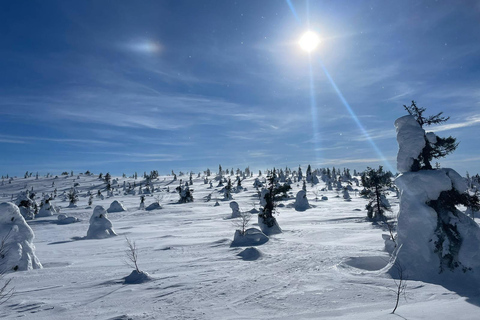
{"x":309,"y":41}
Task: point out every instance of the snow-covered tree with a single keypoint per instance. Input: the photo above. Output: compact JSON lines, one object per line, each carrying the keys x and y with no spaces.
{"x":435,"y":147}
{"x":433,"y":236}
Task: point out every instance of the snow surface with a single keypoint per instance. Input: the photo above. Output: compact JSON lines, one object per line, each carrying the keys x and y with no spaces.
{"x":325,"y":265}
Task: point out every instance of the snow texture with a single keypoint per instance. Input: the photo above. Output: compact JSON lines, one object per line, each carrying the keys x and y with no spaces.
{"x":17,"y":252}
{"x":100,"y":226}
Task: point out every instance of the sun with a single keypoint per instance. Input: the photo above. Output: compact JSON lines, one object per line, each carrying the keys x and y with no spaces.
{"x":309,"y":41}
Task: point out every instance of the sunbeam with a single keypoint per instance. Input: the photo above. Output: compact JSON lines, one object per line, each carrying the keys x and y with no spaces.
{"x":308,"y":46}
{"x":355,"y":118}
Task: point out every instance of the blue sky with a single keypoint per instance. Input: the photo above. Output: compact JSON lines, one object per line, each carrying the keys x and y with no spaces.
{"x":125,"y":86}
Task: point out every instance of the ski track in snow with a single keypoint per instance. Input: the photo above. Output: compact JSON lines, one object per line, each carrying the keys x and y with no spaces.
{"x":324,"y":265}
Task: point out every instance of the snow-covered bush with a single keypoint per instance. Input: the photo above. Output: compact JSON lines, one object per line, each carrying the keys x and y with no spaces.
{"x":100,"y":226}
{"x":17,"y":249}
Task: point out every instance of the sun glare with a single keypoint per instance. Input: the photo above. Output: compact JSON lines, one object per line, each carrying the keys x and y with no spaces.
{"x":309,"y":41}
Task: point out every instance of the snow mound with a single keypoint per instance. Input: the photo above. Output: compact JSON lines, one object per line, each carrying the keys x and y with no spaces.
{"x":301,"y":201}
{"x":17,"y":252}
{"x":153,"y":206}
{"x":252,"y":237}
{"x":100,"y":226}
{"x":116,"y":206}
{"x":136,"y":277}
{"x":63,"y":219}
{"x":250,"y":254}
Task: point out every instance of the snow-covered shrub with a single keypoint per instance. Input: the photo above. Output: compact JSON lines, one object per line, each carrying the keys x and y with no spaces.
{"x":100,"y":226}
{"x":185,"y":193}
{"x":27,"y":205}
{"x":17,"y":249}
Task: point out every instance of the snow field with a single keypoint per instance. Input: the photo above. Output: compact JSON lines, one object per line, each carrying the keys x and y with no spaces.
{"x":325,"y":264}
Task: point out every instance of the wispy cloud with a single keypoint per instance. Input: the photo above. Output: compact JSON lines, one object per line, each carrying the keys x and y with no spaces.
{"x":469,"y":122}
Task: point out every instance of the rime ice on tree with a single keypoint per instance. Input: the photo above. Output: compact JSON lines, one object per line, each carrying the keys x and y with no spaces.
{"x":17,"y":250}
{"x":100,"y":226}
{"x":435,"y":241}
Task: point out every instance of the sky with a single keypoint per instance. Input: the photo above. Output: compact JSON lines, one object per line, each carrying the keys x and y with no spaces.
{"x":134,"y":86}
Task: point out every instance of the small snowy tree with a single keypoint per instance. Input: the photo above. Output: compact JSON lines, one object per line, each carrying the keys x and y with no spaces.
{"x":435,"y":147}
{"x":375,"y":182}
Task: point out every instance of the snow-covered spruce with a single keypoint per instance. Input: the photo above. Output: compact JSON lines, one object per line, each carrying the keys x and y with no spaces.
{"x":17,"y":251}
{"x":100,"y":226}
{"x":435,"y":241}
{"x":46,"y":210}
{"x":301,"y":201}
{"x":116,"y":206}
{"x":235,"y":209}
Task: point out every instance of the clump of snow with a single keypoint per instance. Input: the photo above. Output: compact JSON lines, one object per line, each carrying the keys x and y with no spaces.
{"x":153,"y":206}
{"x":411,"y":141}
{"x":301,"y":201}
{"x":17,"y":250}
{"x":137,"y":277}
{"x":116,"y":206}
{"x":235,"y":209}
{"x":100,"y":226}
{"x":63,"y":219}
{"x":251,"y":237}
{"x":250,"y":254}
